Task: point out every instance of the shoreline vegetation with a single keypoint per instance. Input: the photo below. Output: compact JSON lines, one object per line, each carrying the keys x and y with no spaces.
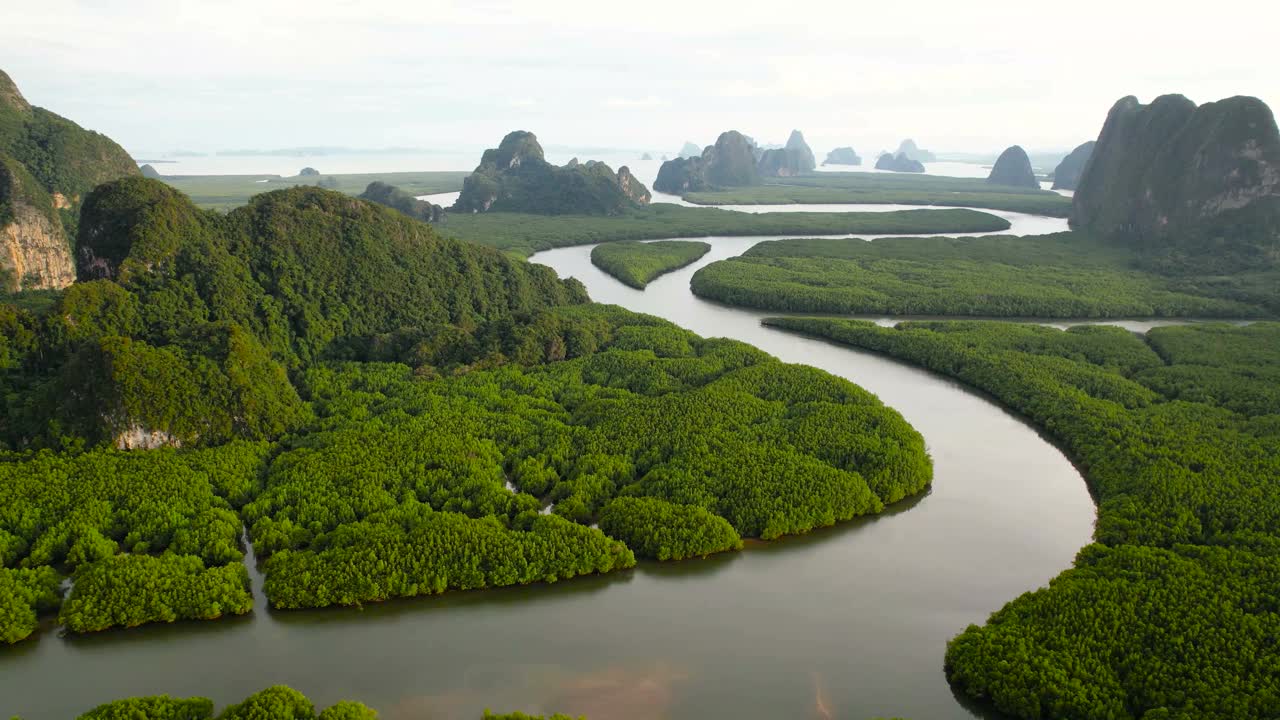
{"x":388,"y":413}
{"x":852,"y":188}
{"x":279,"y":702}
{"x":1176,"y":435}
{"x":227,"y":192}
{"x":638,"y":264}
{"x":523,"y":234}
{"x":1064,"y":275}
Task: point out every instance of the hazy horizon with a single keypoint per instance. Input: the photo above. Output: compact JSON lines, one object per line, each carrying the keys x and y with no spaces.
{"x":159,"y":77}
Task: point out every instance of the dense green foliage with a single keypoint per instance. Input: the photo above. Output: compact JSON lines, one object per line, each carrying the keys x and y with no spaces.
{"x":399,"y":463}
{"x":155,"y":707}
{"x":1172,"y":612}
{"x":1064,"y":275}
{"x":397,"y":199}
{"x":661,"y":530}
{"x":637,"y":264}
{"x":71,"y":509}
{"x":227,"y":192}
{"x":466,"y":420}
{"x":80,"y":511}
{"x":524,"y":234}
{"x":414,"y":550}
{"x":198,"y":316}
{"x":877,"y":188}
{"x":130,"y":590}
{"x":24,"y":595}
{"x":515,"y":177}
{"x":275,"y":703}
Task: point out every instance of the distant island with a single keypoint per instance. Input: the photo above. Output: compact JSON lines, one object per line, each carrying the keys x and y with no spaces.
{"x":795,"y":158}
{"x":731,"y":162}
{"x":842,"y":156}
{"x":908,"y":147}
{"x":899,"y":163}
{"x":515,"y":177}
{"x":1013,"y":168}
{"x":397,"y":199}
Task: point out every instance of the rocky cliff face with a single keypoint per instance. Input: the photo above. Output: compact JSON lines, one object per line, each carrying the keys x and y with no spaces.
{"x":1171,"y":173}
{"x":1067,"y":175}
{"x":800,"y":150}
{"x":899,"y":163}
{"x":1013,"y":167}
{"x":794,"y":159}
{"x":680,"y":176}
{"x":48,"y":164}
{"x":10,"y":97}
{"x":731,"y":162}
{"x":631,"y":187}
{"x":842,"y":156}
{"x":33,"y":248}
{"x":778,"y":163}
{"x":516,"y":177}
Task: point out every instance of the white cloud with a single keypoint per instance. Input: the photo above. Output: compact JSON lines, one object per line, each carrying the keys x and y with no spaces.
{"x":160,"y":74}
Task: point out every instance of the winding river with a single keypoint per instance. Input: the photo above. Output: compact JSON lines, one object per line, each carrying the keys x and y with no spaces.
{"x":849,"y":622}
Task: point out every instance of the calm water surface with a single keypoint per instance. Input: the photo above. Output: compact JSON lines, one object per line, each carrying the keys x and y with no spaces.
{"x":849,"y":622}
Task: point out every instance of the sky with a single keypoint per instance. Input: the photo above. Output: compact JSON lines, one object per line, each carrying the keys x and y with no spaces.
{"x":162,"y":75}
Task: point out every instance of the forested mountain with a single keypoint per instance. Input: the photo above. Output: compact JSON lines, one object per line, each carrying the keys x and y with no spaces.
{"x":1197,"y":188}
{"x":48,"y":164}
{"x":387,"y":411}
{"x":731,"y":162}
{"x":516,"y":177}
{"x":186,"y":321}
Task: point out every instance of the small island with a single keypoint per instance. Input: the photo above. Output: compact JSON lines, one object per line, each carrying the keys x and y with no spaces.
{"x":795,"y":158}
{"x":842,"y":156}
{"x":516,"y":177}
{"x":638,"y":263}
{"x":899,"y":163}
{"x":909,"y":148}
{"x":1013,"y":168}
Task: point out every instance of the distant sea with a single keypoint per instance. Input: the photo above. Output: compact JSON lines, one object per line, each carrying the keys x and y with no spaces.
{"x":419,"y":160}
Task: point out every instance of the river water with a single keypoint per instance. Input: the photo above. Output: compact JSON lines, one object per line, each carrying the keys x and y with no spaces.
{"x":849,"y":622}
